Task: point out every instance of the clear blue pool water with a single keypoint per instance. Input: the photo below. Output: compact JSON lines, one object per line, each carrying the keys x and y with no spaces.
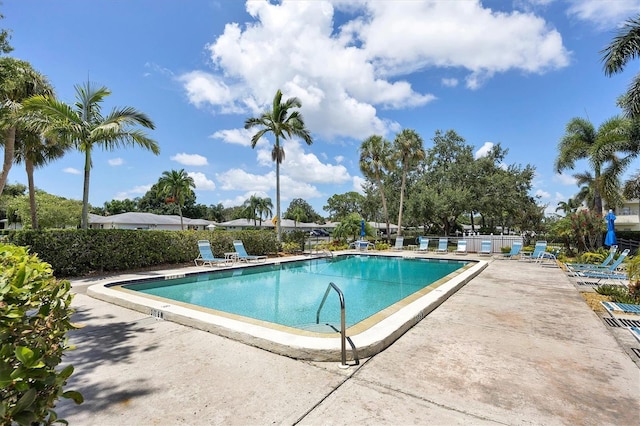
{"x":290,"y":293}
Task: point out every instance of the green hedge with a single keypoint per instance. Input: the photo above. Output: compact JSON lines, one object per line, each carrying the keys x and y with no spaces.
{"x":78,"y":252}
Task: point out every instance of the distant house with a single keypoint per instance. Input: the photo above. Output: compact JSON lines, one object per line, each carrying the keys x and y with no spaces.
{"x":134,"y":220}
{"x":628,"y":216}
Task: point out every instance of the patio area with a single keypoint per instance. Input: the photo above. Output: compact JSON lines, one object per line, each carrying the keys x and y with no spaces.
{"x":516,"y":345}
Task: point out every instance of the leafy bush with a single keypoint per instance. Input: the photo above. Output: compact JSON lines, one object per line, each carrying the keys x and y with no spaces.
{"x":619,"y":294}
{"x":35,"y":316}
{"x":77,"y":252}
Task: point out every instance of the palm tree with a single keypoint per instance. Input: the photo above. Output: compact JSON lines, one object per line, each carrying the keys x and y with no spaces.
{"x":263,"y":208}
{"x":624,"y":47}
{"x":283,"y":124}
{"x":569,"y":206}
{"x":600,"y":148}
{"x":409,"y":151}
{"x":35,"y":151}
{"x":375,"y":161}
{"x":631,"y":188}
{"x":85,"y":127}
{"x":18,"y":81}
{"x":298,"y":215}
{"x":176,"y":185}
{"x":251,"y":208}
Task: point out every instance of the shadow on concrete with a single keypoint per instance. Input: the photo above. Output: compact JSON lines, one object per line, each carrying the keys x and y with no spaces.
{"x":96,"y":345}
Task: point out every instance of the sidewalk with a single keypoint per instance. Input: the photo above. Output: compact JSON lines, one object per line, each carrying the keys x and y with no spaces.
{"x":516,"y":345}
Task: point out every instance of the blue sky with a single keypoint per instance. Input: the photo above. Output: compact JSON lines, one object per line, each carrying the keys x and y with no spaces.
{"x":508,"y":72}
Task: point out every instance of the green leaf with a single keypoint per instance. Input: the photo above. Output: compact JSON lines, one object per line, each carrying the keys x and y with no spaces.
{"x":25,"y":418}
{"x":24,"y":354}
{"x":74,"y":395}
{"x":25,"y":401}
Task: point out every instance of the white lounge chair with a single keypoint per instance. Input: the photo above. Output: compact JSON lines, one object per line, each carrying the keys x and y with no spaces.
{"x":206,"y":257}
{"x":424,"y":244}
{"x":399,"y":243}
{"x":485,"y":248}
{"x":242,"y":253}
{"x":442,"y":245}
{"x":461,"y":248}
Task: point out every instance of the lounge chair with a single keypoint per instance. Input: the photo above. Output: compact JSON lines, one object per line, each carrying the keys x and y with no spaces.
{"x":242,"y":253}
{"x":442,"y":245}
{"x":635,"y":331}
{"x":515,"y":251}
{"x":485,"y":248}
{"x":539,"y":248}
{"x":424,"y":244}
{"x":608,"y":273}
{"x":206,"y":257}
{"x":361,"y":245}
{"x":461,"y":248}
{"x":604,"y":264}
{"x":399,"y":243}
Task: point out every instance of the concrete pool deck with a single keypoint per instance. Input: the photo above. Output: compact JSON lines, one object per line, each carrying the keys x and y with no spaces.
{"x":515,"y":345}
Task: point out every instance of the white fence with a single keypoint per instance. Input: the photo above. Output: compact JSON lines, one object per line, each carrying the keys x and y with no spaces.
{"x":474,"y":241}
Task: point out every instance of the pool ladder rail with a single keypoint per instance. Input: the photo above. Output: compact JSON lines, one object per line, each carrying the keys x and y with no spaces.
{"x":343,"y":336}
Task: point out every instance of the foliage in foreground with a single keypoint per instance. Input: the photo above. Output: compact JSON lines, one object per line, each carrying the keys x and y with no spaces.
{"x":35,"y":316}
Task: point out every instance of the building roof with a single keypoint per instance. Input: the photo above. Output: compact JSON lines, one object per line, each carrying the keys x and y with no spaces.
{"x":138,"y":218}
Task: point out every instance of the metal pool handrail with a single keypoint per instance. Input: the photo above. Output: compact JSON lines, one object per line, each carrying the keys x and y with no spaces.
{"x":343,"y":339}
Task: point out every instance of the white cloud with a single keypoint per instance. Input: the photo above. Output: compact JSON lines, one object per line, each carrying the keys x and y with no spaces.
{"x":240,"y":180}
{"x":344,"y":75}
{"x":305,"y":167}
{"x":542,"y":194}
{"x":71,"y":171}
{"x":564,"y":179}
{"x":338,"y":158}
{"x":238,"y":136}
{"x":133,"y":192}
{"x":358,"y":184}
{"x":484,"y":150}
{"x":604,"y":14}
{"x":190,"y":159}
{"x":449,"y":82}
{"x":202,"y":182}
{"x":115,"y":162}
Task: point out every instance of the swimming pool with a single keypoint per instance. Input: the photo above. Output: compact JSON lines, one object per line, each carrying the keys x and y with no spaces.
{"x":289,"y":294}
{"x":281,"y":312}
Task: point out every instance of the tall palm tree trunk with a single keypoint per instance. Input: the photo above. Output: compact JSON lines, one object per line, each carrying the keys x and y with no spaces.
{"x":279,"y":220}
{"x":85,"y":191}
{"x":32,"y":192}
{"x":384,"y":207}
{"x":9,"y":151}
{"x":180,"y":213}
{"x":404,"y":179}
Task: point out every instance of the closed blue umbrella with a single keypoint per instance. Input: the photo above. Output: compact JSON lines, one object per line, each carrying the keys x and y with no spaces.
{"x":610,"y":238}
{"x":362,"y":233}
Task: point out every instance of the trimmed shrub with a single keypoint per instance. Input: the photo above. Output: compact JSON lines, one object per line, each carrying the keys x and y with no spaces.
{"x":77,"y":252}
{"x":35,"y":316}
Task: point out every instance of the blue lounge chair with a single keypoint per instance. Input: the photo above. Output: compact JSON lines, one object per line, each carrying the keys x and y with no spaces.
{"x":461,"y":248}
{"x":442,"y":245}
{"x":515,"y":251}
{"x":206,"y":257}
{"x":242,"y":253}
{"x":424,"y":244}
{"x":540,"y":247}
{"x":485,"y":248}
{"x":608,"y":273}
{"x":604,"y":264}
{"x":399,"y":243}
